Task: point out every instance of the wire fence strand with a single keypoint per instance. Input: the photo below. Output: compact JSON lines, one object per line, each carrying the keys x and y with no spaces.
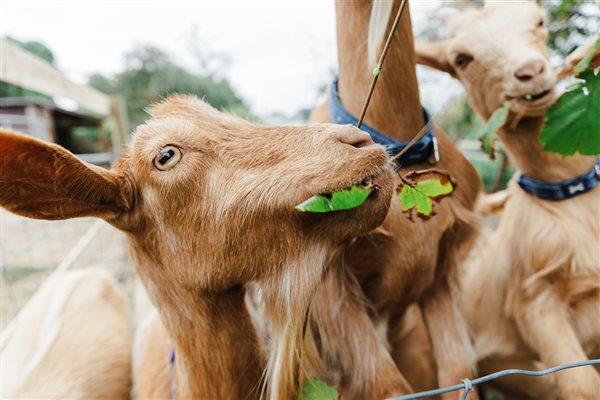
{"x":467,"y":385}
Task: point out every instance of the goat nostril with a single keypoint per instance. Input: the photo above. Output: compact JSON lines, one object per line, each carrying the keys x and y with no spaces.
{"x":523,"y":77}
{"x":530,"y":70}
{"x":355,"y":138}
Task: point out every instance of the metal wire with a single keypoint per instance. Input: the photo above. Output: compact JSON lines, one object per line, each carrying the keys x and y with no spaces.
{"x":466,"y":385}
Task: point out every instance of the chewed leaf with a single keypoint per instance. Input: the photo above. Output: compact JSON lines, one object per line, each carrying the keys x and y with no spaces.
{"x":315,"y":389}
{"x":419,"y":189}
{"x":316,"y":204}
{"x":344,"y":199}
{"x":488,"y":135}
{"x":573,"y":122}
{"x":435,"y":187}
{"x":349,"y":199}
{"x":408,"y":198}
{"x":587,"y":60}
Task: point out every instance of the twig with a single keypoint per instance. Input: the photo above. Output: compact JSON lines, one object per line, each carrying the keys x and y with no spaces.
{"x":379,"y":66}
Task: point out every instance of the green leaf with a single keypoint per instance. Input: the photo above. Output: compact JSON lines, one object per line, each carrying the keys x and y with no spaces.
{"x":488,"y":134}
{"x":344,"y":199}
{"x":349,"y":199}
{"x":573,"y":122}
{"x":408,"y":198}
{"x":419,"y":196}
{"x":435,"y":187}
{"x":315,"y":389}
{"x":585,"y":63}
{"x":316,"y":204}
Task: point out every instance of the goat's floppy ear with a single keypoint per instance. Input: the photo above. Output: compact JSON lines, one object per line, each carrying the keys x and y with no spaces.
{"x":433,"y":55}
{"x":45,"y":181}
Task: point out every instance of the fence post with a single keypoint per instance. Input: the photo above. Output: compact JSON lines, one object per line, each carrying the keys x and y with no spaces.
{"x":119,"y":124}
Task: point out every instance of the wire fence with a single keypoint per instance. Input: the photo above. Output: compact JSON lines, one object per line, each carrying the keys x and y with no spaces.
{"x":466,"y":385}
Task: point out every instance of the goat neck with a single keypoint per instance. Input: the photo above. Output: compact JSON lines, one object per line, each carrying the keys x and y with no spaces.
{"x":523,"y":146}
{"x":397,"y":87}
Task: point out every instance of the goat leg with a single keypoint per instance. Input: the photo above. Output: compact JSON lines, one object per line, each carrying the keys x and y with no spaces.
{"x":545,"y":325}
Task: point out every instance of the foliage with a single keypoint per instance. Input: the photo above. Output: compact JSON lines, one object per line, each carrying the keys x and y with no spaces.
{"x":573,"y":122}
{"x":315,"y":389}
{"x":420,"y":188}
{"x":150,"y":74}
{"x":488,"y":134}
{"x":571,"y":22}
{"x":36,"y":48}
{"x":345,"y":199}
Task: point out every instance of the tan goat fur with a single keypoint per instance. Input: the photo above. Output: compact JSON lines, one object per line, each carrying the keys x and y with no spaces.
{"x":71,"y":340}
{"x":219,"y":219}
{"x":533,"y":297}
{"x":362,"y":309}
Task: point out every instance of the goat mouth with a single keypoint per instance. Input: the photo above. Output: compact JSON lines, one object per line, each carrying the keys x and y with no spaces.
{"x":534,"y":99}
{"x":345,"y":198}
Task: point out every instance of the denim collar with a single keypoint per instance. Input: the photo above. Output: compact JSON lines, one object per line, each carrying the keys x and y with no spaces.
{"x":420,"y":152}
{"x":562,"y":190}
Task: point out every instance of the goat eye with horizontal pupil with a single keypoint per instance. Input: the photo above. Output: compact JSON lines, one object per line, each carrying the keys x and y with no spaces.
{"x":167,"y":158}
{"x":462,"y":60}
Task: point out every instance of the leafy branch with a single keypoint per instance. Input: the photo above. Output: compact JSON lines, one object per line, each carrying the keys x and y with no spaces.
{"x":419,"y":189}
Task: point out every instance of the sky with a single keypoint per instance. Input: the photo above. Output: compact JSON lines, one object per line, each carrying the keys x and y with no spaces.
{"x":280,"y":52}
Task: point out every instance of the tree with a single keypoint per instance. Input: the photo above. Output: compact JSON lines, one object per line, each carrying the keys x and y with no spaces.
{"x":150,"y":75}
{"x":571,"y":23}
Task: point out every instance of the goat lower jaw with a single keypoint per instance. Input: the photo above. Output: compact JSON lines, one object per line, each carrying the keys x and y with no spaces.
{"x":533,"y":104}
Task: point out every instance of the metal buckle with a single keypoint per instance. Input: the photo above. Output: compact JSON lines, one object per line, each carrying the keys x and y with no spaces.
{"x":436,"y":151}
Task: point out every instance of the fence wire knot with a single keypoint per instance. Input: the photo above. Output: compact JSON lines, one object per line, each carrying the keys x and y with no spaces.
{"x":468,"y":387}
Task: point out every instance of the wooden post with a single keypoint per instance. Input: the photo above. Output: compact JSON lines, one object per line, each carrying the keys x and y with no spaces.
{"x":119,"y":125}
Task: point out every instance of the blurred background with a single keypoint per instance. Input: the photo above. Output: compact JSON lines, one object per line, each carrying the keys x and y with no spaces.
{"x":102,"y":62}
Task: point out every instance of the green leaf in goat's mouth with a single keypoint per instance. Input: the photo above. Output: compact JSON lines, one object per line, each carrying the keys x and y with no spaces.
{"x":343,"y":199}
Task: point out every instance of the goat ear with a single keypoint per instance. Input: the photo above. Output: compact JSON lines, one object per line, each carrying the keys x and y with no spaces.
{"x":433,"y":55}
{"x":45,"y":181}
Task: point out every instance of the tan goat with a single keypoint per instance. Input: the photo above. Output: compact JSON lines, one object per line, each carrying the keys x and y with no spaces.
{"x":388,"y":309}
{"x":533,"y":298}
{"x":71,"y":340}
{"x":207,"y":203}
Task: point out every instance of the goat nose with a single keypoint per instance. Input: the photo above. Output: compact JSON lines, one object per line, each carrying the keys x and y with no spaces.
{"x":354,"y":137}
{"x":530,"y":70}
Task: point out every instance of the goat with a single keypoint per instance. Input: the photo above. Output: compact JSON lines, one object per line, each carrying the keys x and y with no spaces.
{"x":533,"y":297}
{"x":401,"y":263}
{"x":207,"y":204}
{"x":71,"y":340}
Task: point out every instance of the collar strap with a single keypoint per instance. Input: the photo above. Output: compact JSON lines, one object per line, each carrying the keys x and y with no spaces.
{"x":420,"y":152}
{"x":562,"y":190}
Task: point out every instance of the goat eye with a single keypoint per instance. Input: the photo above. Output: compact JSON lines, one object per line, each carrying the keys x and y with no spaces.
{"x":167,"y":158}
{"x":462,"y":60}
{"x":541,"y":24}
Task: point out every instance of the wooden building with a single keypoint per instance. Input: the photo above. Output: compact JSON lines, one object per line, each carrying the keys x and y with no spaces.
{"x":43,"y":119}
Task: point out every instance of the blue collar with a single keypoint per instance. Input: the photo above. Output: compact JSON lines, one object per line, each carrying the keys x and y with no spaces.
{"x":562,"y":190}
{"x":419,"y":153}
